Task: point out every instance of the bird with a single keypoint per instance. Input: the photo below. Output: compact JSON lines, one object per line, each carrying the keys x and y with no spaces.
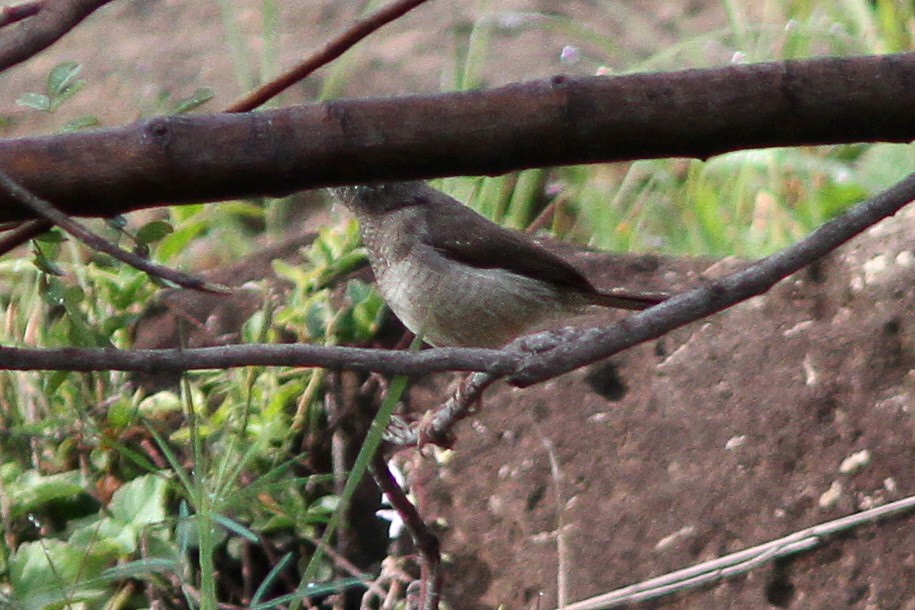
{"x":457,"y":279}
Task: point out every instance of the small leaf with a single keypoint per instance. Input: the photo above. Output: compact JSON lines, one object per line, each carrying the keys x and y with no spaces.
{"x":62,"y":77}
{"x":73,"y":296}
{"x":141,"y":568}
{"x":140,"y":501}
{"x":117,"y":222}
{"x":236,"y":528}
{"x":153,"y":231}
{"x":195,"y":100}
{"x":35,"y":101}
{"x":67,"y":93}
{"x":83,"y":122}
{"x":46,"y":265}
{"x":52,"y":236}
{"x":55,"y":380}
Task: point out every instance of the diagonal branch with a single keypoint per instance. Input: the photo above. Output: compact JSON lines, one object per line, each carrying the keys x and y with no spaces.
{"x":18,"y":12}
{"x":23,"y":233}
{"x":330,"y":51}
{"x":424,"y":539}
{"x":46,"y":211}
{"x":594,"y":344}
{"x":44,"y":27}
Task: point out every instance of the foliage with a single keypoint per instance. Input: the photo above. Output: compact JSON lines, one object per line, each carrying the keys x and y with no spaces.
{"x":111,"y":494}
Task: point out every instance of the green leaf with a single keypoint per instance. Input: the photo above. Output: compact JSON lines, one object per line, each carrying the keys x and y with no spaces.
{"x":236,"y":528}
{"x":50,"y":573}
{"x":141,"y":501}
{"x":67,"y":93}
{"x":153,"y":231}
{"x":177,"y":241}
{"x":62,"y":77}
{"x":35,"y":101}
{"x":32,"y":490}
{"x":52,"y":236}
{"x":79,"y":123}
{"x":54,"y":381}
{"x":73,"y":296}
{"x":141,"y":568}
{"x":46,"y":265}
{"x":200,"y":97}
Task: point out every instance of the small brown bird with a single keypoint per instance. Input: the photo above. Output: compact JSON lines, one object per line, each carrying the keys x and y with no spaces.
{"x":457,"y":279}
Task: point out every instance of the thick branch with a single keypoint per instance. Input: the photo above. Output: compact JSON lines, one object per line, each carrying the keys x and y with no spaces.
{"x":42,"y":28}
{"x":564,"y":120}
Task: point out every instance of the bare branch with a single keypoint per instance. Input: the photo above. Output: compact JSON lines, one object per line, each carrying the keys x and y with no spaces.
{"x":435,"y":428}
{"x":23,"y":233}
{"x":392,"y":362}
{"x":46,"y":211}
{"x":42,"y":28}
{"x":586,"y":120}
{"x":18,"y":12}
{"x":594,"y":344}
{"x":426,"y":542}
{"x":331,"y":50}
{"x":741,"y":561}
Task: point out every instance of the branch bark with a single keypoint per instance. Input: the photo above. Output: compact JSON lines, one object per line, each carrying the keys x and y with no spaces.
{"x":496,"y":362}
{"x":563,"y":120}
{"x":44,"y":24}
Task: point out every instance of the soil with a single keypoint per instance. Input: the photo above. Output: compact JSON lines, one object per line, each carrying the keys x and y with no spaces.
{"x":717,"y":437}
{"x":720,"y":436}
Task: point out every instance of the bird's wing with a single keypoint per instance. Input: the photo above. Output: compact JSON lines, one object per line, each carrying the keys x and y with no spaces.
{"x":484,"y":244}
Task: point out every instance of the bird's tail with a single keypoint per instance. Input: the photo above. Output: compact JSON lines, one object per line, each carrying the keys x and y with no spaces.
{"x":622,"y":299}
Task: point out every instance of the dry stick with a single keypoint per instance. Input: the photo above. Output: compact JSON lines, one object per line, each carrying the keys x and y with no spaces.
{"x":741,"y":561}
{"x":48,"y":212}
{"x":23,"y":233}
{"x":563,"y":554}
{"x":43,"y":28}
{"x":18,"y":12}
{"x":331,"y":50}
{"x":436,"y":429}
{"x":426,"y":542}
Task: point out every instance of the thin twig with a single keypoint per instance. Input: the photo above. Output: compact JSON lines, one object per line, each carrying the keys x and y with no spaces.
{"x":426,"y":542}
{"x":23,"y":233}
{"x":455,"y":408}
{"x":563,"y":552}
{"x":331,"y":50}
{"x":741,"y":561}
{"x":43,"y":28}
{"x":55,"y":216}
{"x":18,"y":12}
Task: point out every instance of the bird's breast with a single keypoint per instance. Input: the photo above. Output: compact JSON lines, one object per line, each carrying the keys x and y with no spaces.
{"x":450,"y":303}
